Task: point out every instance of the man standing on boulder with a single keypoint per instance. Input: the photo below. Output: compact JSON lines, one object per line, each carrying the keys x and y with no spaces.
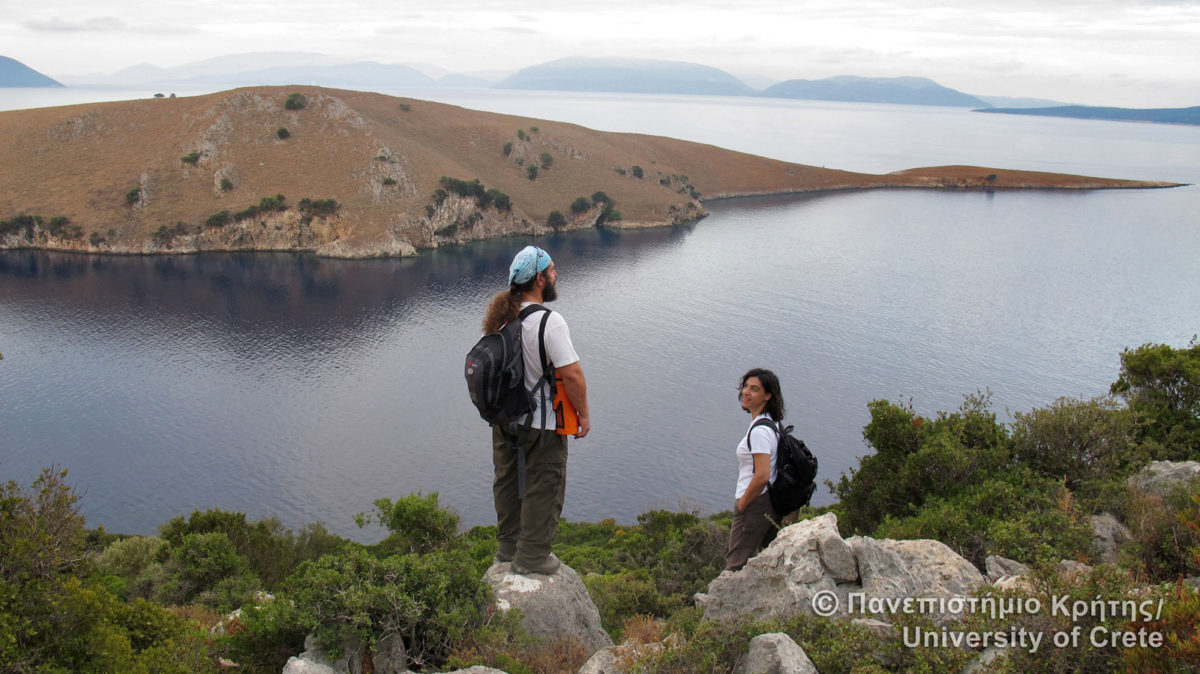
{"x":528,"y":519}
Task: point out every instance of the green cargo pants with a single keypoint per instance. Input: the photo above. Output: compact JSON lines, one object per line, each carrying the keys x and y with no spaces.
{"x":527,"y":525}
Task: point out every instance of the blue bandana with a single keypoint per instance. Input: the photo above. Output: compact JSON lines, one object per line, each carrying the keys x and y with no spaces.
{"x":527,"y":264}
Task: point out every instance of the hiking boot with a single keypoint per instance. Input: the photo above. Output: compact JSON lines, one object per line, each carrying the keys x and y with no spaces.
{"x":545,"y":567}
{"x":506,"y":553}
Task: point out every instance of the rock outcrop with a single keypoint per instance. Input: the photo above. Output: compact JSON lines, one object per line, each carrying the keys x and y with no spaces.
{"x":810,"y":569}
{"x":776,"y":653}
{"x":1161,"y":476}
{"x":389,"y":657}
{"x":552,"y":607}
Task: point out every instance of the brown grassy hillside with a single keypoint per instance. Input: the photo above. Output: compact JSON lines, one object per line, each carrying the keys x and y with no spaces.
{"x":112,"y":176}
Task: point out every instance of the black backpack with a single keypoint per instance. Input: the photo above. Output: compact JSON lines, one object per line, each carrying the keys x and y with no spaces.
{"x":795,"y":470}
{"x":495,"y":371}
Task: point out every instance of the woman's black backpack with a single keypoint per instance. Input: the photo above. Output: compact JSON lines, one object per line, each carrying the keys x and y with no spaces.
{"x":795,"y":470}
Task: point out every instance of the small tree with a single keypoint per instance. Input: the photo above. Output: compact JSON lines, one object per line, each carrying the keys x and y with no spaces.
{"x":282,"y":133}
{"x":532,"y":171}
{"x":637,"y":172}
{"x":508,"y":148}
{"x":547,"y":160}
{"x":580,"y":205}
{"x":133,"y":196}
{"x":295,"y":102}
{"x":226,"y":184}
{"x":556,"y":220}
{"x":192,"y":158}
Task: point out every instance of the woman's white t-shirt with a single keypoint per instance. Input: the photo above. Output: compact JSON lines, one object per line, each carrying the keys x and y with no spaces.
{"x":762,"y":441}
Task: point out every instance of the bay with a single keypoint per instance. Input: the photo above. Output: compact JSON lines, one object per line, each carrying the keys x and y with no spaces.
{"x":304,"y":388}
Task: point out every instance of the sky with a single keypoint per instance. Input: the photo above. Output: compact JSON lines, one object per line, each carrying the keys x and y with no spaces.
{"x":1132,"y":53}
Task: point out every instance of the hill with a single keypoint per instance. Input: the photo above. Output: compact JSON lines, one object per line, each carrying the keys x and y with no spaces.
{"x":13,"y":73}
{"x":904,"y":90}
{"x":627,"y":76}
{"x":1157,"y":115}
{"x":348,"y":173}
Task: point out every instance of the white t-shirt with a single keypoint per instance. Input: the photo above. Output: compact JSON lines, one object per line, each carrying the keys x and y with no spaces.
{"x":559,"y":351}
{"x":763,"y":440}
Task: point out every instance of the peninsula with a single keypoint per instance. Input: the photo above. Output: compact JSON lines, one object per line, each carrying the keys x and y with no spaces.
{"x":357,"y":174}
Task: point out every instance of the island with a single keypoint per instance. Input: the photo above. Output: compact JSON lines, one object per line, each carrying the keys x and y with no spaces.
{"x":360,"y":174}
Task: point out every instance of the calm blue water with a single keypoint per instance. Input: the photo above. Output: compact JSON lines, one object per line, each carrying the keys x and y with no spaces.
{"x":305,"y":388}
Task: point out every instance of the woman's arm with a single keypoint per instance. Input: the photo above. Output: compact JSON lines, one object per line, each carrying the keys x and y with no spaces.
{"x":762,"y":475}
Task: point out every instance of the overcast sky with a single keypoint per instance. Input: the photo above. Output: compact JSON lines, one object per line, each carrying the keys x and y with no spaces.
{"x":1101,"y":52}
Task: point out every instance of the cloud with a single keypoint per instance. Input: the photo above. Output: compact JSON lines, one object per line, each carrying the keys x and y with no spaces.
{"x":99,"y":24}
{"x":518,"y":30}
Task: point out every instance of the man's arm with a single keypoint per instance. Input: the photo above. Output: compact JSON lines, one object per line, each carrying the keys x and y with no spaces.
{"x":576,"y":389}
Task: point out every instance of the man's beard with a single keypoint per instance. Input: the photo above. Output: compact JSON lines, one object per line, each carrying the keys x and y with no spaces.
{"x":549,"y":292}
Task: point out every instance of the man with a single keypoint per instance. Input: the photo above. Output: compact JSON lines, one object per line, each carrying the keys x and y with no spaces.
{"x":528,"y":520}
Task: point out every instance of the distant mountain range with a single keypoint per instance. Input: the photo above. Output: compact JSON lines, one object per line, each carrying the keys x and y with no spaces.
{"x":13,"y":73}
{"x":571,"y":74}
{"x":1158,"y":115}
{"x":907,"y":90}
{"x":627,"y":76}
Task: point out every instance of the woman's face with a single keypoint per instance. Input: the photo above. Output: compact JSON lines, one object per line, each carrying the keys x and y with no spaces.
{"x":754,"y":398}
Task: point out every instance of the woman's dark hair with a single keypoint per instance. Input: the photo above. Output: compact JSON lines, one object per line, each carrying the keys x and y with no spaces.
{"x":770,"y":384}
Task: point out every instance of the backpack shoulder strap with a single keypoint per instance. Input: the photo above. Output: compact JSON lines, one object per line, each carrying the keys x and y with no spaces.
{"x":761,"y":422}
{"x":529,"y":310}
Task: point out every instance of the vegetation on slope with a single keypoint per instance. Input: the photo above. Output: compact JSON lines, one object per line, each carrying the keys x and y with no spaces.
{"x":89,"y":601}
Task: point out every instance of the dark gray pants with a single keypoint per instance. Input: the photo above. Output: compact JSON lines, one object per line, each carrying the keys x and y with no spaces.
{"x":527,"y":525}
{"x":752,"y":530}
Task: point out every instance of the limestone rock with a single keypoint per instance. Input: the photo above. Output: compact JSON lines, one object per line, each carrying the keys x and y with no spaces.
{"x":809,"y":560}
{"x":1069,"y":569}
{"x":877,"y":627}
{"x":552,"y":607}
{"x":389,"y":657}
{"x":302,"y":665}
{"x":1161,"y":476}
{"x":776,"y":654}
{"x":1110,"y":536}
{"x":998,"y":567}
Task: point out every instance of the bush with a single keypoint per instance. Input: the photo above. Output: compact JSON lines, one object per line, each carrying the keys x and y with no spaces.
{"x":521,"y":134}
{"x":637,"y":172}
{"x":206,"y":568}
{"x":433,"y":600}
{"x":531,"y":171}
{"x":1162,"y":386}
{"x":226,"y":184}
{"x":133,"y":196}
{"x":580,"y":205}
{"x":388,"y":182}
{"x":556,"y":220}
{"x":546,"y":160}
{"x":321,"y":207}
{"x":282,"y":133}
{"x":1076,"y":440}
{"x":295,"y":102}
{"x":508,"y":146}
{"x":1166,"y":531}
{"x":417,"y":524}
{"x":218,"y":219}
{"x":917,"y":459}
{"x":501,"y":200}
{"x":192,"y":158}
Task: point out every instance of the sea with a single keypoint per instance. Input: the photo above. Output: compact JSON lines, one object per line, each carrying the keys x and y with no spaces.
{"x":305,"y":388}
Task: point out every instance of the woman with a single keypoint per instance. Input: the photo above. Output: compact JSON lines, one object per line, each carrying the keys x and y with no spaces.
{"x":752,"y":529}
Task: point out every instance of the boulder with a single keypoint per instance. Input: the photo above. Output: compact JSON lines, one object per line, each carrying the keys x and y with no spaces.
{"x":1111,"y":535}
{"x":810,"y":561}
{"x":552,"y":607}
{"x":1161,"y":476}
{"x":776,"y":654}
{"x":389,"y":657}
{"x":998,"y":567}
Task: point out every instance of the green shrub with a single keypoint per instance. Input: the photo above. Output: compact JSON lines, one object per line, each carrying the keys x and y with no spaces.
{"x":433,"y":600}
{"x":388,"y":182}
{"x":192,"y":158}
{"x":226,"y":184}
{"x":1166,"y":531}
{"x":203,"y":567}
{"x":265,"y":636}
{"x":295,"y":102}
{"x":628,"y":593}
{"x":282,"y":133}
{"x":1076,"y":440}
{"x":521,"y":134}
{"x":556,"y":220}
{"x":546,"y":160}
{"x":580,"y":205}
{"x":620,"y":170}
{"x":95,"y":239}
{"x":613,"y":216}
{"x":1161,"y":384}
{"x":508,"y":146}
{"x":405,"y":107}
{"x":917,"y":459}
{"x":637,"y":172}
{"x":133,"y":196}
{"x":417,"y":524}
{"x":600,"y":198}
{"x":531,"y":171}
{"x":500,"y":200}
